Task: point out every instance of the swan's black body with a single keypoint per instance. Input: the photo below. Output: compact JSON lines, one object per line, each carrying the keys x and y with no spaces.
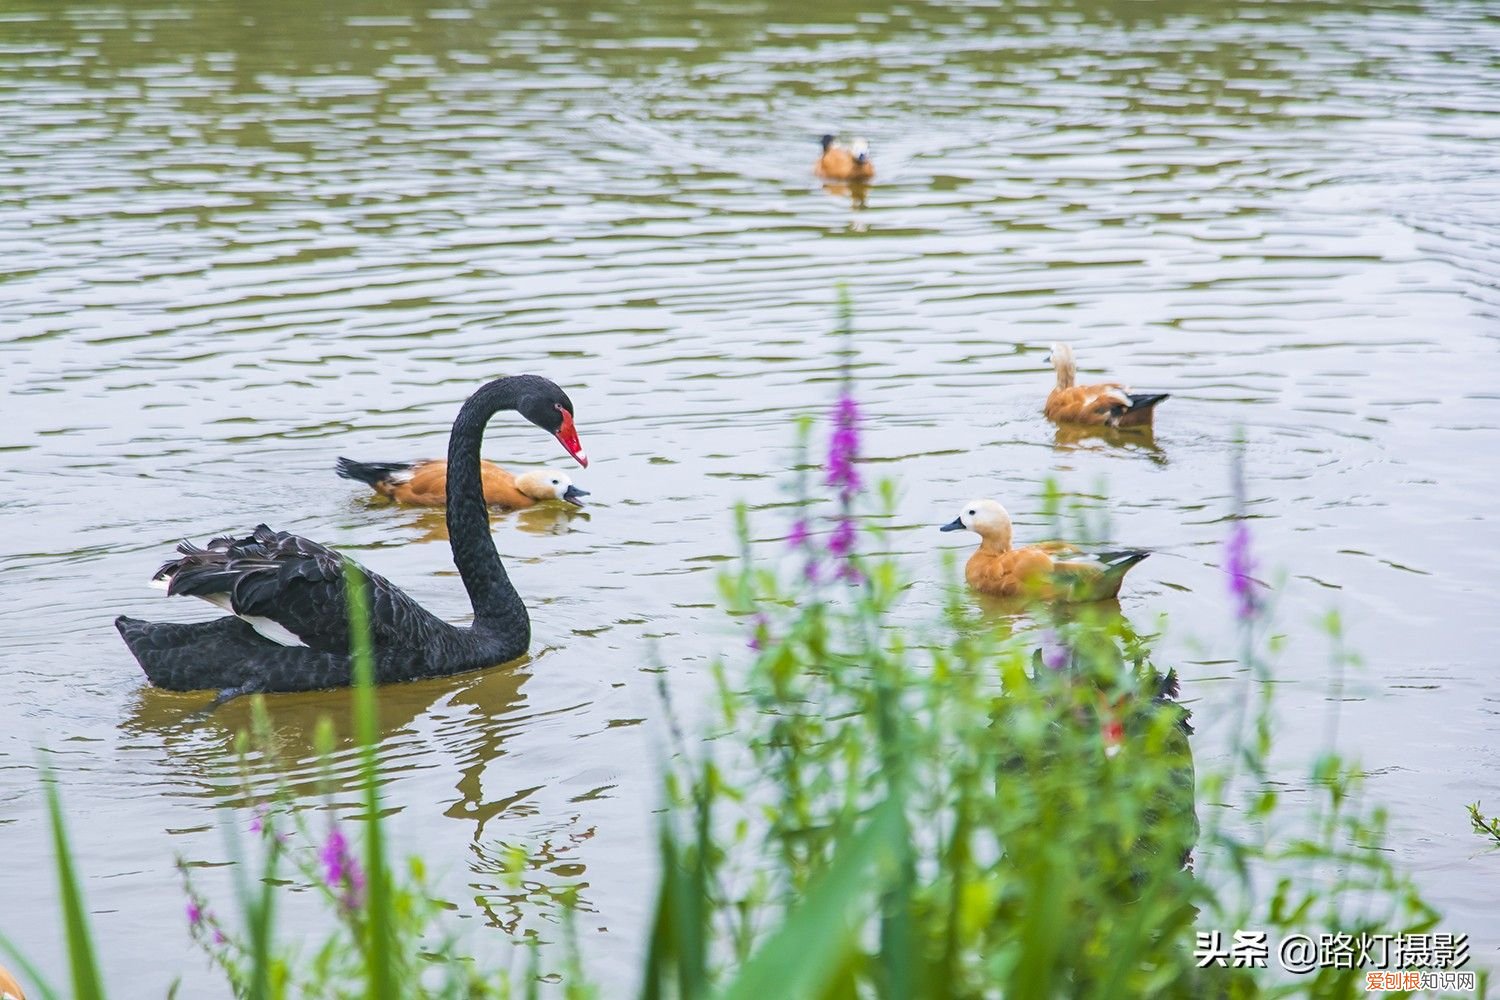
{"x":299,"y":585}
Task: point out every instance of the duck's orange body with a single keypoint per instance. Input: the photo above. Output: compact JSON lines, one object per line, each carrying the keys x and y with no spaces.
{"x":424,"y":484}
{"x":9,"y":988}
{"x":1103,"y":404}
{"x":1008,"y":573}
{"x":841,"y":162}
{"x":428,"y":486}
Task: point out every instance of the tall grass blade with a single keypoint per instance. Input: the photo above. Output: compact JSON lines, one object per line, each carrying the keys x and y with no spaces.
{"x":40,"y":988}
{"x":84,"y":968}
{"x":811,"y":945}
{"x":379,"y":913}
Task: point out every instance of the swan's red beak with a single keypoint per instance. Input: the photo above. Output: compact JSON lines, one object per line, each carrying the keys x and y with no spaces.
{"x":567,"y":436}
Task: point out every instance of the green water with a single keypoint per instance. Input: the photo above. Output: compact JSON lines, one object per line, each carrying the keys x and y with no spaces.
{"x":240,"y":240}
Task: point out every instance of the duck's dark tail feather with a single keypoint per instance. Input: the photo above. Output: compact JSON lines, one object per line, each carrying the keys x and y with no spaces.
{"x":1142,"y":407}
{"x":369,"y":472}
{"x":1116,"y":565}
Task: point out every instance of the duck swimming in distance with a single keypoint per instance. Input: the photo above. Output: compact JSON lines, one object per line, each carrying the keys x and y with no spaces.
{"x":1053,"y":570}
{"x":424,"y":483}
{"x":1103,"y":404}
{"x":289,"y":627}
{"x":844,"y":161}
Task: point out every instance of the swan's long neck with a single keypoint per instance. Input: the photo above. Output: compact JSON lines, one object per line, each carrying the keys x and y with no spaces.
{"x":497,"y":606}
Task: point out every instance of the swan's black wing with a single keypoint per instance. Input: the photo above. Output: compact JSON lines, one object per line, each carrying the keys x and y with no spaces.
{"x":299,"y":585}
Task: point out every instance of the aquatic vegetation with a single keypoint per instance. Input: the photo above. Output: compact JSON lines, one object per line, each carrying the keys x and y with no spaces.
{"x":935,"y":810}
{"x":1486,"y":826}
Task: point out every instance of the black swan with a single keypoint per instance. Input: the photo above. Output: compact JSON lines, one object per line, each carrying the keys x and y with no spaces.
{"x":290,"y":629}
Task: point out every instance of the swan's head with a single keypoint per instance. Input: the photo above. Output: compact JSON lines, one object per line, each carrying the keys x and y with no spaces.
{"x":860,"y":150}
{"x":985,"y":517}
{"x":549,"y":484}
{"x":1061,"y":359}
{"x":550,"y":409}
{"x":827,"y":141}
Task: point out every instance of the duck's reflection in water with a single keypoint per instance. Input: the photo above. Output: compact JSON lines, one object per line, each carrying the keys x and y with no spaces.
{"x":543,"y":519}
{"x":857,"y":192}
{"x":1094,"y":649}
{"x":1140,"y":440}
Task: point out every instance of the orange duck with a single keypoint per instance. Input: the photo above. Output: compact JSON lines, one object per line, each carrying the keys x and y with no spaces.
{"x":1103,"y":404}
{"x":424,"y":483}
{"x":1051,"y":570}
{"x":9,"y":988}
{"x":844,"y":161}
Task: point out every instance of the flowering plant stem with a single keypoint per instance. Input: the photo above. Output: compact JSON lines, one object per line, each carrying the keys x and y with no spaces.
{"x":378,"y":943}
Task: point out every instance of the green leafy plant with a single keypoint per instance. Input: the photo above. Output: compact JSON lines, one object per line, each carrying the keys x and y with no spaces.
{"x":1046,"y":841}
{"x":1486,"y":826}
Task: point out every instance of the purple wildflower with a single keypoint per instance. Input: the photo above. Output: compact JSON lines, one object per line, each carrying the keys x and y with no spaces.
{"x":843,"y":448}
{"x":258,"y":821}
{"x":797,"y":537}
{"x":1055,"y":652}
{"x":194,"y":913}
{"x":340,"y":870}
{"x":1239,"y":565}
{"x":841,"y":542}
{"x":849,"y":573}
{"x":219,"y":937}
{"x":758,"y":637}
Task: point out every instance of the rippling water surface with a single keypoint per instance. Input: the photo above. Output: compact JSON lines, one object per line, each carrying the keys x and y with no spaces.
{"x":237,"y":241}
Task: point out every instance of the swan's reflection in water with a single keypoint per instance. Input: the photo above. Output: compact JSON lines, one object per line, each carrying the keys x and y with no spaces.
{"x":466,"y":719}
{"x":455,"y":725}
{"x":539,"y":875}
{"x":1141,"y":440}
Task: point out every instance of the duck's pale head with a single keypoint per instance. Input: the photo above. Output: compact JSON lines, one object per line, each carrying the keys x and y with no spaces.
{"x":860,"y":150}
{"x":986,"y":518}
{"x":549,"y":484}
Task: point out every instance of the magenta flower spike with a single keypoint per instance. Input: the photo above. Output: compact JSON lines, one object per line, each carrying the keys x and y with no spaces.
{"x":843,"y":448}
{"x":1055,"y":651}
{"x":340,"y":869}
{"x":1239,"y":565}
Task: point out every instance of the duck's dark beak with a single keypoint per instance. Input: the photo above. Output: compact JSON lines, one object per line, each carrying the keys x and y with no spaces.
{"x":572,"y":493}
{"x":957,"y":524}
{"x":862,"y":159}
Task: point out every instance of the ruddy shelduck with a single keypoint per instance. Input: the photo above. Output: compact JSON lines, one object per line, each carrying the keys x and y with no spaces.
{"x":425,"y":483}
{"x":9,"y":988}
{"x":844,"y":161}
{"x":1103,"y":404}
{"x":1052,"y":570}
